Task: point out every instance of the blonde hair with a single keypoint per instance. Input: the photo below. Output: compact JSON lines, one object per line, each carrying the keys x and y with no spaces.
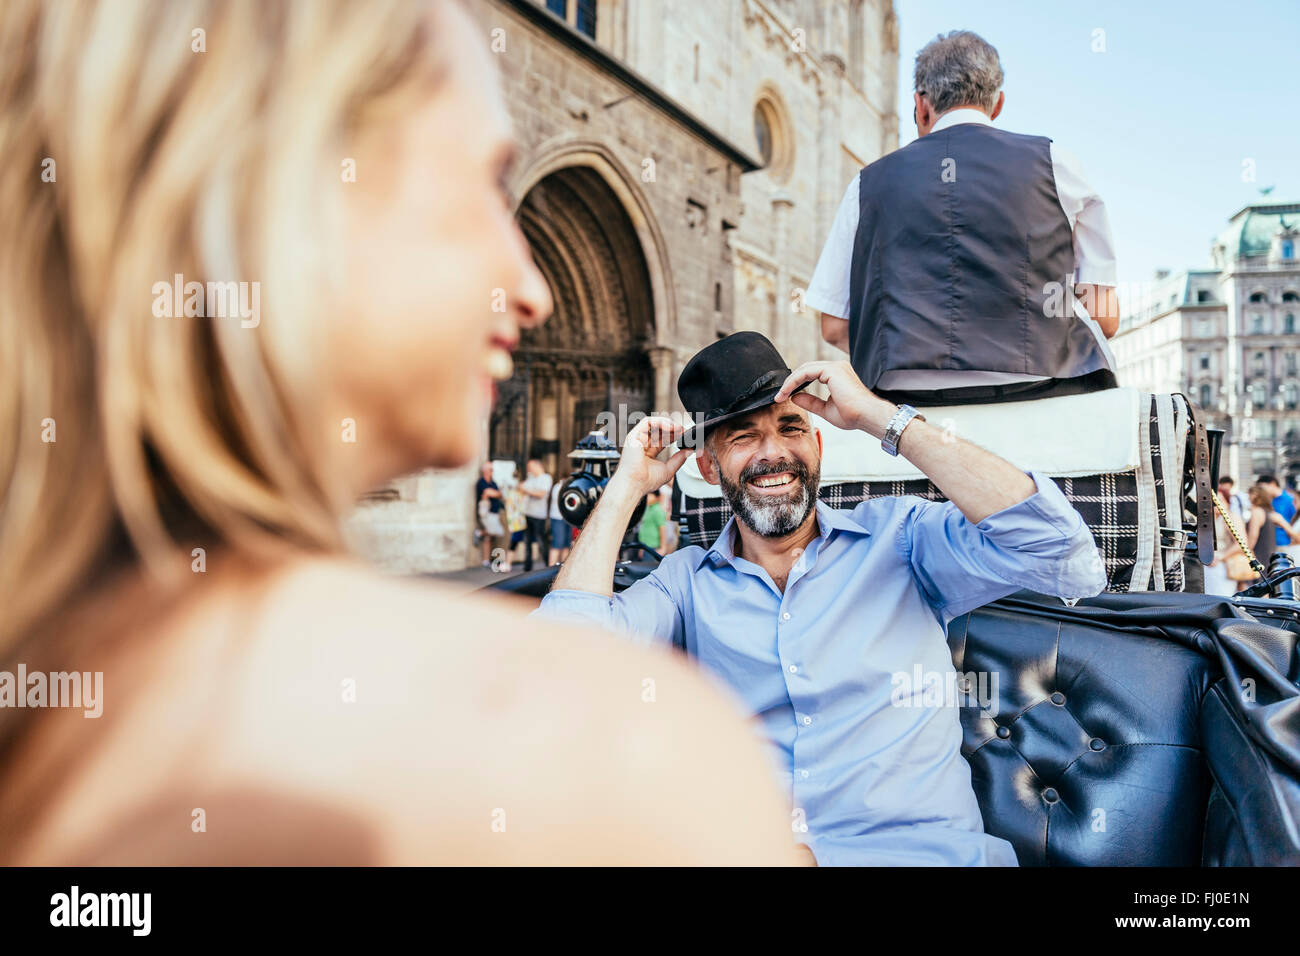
{"x":1259,"y":497}
{"x":144,"y":140}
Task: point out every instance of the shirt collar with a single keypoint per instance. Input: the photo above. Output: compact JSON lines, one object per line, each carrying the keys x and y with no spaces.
{"x":828,"y":519}
{"x":965,"y":114}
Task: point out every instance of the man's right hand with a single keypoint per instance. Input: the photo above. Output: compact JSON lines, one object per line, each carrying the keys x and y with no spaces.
{"x":590,"y":566}
{"x":640,"y":470}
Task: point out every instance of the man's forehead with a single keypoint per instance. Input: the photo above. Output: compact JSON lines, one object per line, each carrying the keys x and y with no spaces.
{"x":785,"y":412}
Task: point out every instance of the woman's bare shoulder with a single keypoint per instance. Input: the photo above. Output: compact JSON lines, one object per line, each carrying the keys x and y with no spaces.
{"x":477,"y":649}
{"x":427,"y":724}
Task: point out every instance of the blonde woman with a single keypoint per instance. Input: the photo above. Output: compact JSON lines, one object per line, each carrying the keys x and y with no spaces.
{"x":173,"y":473}
{"x":1258,"y":533}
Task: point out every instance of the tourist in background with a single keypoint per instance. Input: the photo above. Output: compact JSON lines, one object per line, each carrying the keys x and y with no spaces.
{"x":515,"y":521}
{"x":1236,"y":502}
{"x":536,"y":490}
{"x":651,"y":532}
{"x":561,"y":530}
{"x":492,"y":529}
{"x":1284,"y":504}
{"x":1217,"y":577}
{"x":1260,"y":524}
{"x":666,"y":499}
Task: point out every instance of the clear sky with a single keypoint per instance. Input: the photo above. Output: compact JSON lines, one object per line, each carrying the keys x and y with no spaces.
{"x":1162,"y":121}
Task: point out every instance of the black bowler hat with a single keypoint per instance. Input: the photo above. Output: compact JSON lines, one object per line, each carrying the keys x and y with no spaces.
{"x":734,"y":375}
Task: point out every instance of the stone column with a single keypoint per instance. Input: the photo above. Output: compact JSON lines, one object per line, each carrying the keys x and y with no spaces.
{"x":781,"y":316}
{"x":548,"y":419}
{"x":665,"y":383}
{"x":830,"y":137}
{"x":564,"y":419}
{"x":530,"y":417}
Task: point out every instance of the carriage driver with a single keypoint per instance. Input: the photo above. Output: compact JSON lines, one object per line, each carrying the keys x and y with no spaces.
{"x":818,"y":619}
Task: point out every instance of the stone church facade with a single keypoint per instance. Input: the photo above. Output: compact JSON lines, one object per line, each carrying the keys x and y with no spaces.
{"x":681,"y":163}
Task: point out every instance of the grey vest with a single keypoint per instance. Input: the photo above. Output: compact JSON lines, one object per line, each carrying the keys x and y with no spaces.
{"x":958,"y":235}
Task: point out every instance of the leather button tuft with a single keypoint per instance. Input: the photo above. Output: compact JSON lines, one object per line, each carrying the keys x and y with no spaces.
{"x":1004,"y":732}
{"x":1097,"y":744}
{"x":1050,"y":795}
{"x":1058,"y":698}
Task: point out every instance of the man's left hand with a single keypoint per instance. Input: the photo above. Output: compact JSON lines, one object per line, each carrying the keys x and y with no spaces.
{"x":851,"y":404}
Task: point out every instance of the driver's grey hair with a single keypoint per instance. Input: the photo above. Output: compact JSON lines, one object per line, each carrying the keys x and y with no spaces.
{"x":958,"y":69}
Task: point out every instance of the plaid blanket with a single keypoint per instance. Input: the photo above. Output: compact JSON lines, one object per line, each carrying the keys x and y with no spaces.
{"x":1135,"y":517}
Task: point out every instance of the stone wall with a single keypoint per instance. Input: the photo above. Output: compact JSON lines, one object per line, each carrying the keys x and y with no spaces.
{"x":429,"y":528}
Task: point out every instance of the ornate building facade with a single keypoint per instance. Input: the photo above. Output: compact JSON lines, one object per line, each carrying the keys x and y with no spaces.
{"x":681,"y":163}
{"x":1228,"y":337}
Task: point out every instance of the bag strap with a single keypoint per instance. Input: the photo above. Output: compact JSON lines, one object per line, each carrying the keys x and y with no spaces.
{"x":1147,"y":557}
{"x":1206,"y":497}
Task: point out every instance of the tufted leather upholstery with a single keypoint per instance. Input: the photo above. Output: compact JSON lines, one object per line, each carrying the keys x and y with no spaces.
{"x":1117,"y":738}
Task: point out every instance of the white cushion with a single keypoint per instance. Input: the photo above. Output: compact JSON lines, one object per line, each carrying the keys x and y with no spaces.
{"x":1066,"y":437}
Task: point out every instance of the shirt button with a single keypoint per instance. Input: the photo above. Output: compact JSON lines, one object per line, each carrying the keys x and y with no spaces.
{"x":803,"y":774}
{"x":785,"y":616}
{"x":793,"y":669}
{"x":807,"y":721}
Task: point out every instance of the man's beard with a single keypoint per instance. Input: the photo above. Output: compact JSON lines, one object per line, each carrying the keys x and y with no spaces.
{"x":772,"y":516}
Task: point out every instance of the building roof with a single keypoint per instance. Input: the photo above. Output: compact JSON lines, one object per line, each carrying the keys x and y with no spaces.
{"x":1251,"y":230}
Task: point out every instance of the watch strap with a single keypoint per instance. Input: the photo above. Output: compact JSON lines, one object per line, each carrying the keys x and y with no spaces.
{"x":894,"y":430}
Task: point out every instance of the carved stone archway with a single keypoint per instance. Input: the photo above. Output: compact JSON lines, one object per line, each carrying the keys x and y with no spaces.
{"x":565,"y":152}
{"x":592,"y":355}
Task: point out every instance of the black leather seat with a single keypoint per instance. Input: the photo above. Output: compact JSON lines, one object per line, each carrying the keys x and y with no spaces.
{"x":1119,"y":738}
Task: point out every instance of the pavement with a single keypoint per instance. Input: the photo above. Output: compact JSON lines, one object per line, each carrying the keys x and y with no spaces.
{"x":476,"y":577}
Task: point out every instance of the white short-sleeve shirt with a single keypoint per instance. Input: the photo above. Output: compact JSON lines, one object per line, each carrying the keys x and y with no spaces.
{"x":1094,"y":257}
{"x":537,"y":507}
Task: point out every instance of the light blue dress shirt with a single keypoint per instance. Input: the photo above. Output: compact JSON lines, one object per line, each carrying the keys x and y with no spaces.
{"x":872,"y":765}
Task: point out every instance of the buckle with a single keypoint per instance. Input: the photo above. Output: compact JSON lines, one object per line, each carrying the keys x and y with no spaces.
{"x":1168,"y":536}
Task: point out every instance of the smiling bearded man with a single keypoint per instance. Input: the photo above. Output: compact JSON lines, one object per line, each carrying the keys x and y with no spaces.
{"x":809,"y":614}
{"x":778,"y":513}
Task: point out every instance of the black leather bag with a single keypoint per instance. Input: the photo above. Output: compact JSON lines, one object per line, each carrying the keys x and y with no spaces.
{"x":1149,"y":729}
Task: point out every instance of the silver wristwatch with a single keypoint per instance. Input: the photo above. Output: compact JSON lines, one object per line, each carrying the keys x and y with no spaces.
{"x":894,"y":430}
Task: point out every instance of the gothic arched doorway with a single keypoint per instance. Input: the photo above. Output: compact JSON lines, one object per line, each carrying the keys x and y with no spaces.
{"x":591,"y":355}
